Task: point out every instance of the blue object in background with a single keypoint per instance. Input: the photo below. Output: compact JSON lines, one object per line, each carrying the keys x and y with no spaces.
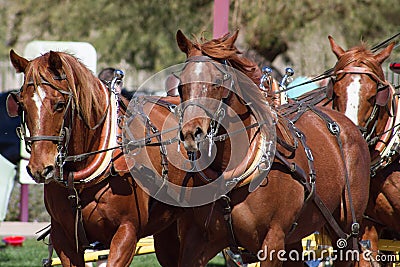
{"x":313,"y":263}
{"x":299,"y":90}
{"x":9,"y":141}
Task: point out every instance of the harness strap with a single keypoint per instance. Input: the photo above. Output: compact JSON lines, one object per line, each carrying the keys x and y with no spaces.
{"x":300,"y":176}
{"x":45,"y":138}
{"x":73,"y":196}
{"x":227,"y":212}
{"x":160,"y":102}
{"x":335,"y":130}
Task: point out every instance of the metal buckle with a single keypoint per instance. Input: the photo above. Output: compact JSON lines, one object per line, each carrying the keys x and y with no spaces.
{"x":334,"y":128}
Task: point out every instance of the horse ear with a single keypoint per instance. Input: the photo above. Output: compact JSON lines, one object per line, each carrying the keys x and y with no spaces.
{"x":385,"y":53}
{"x":55,"y":62}
{"x":185,"y":45}
{"x":232,"y":39}
{"x":18,"y":62}
{"x":336,"y":49}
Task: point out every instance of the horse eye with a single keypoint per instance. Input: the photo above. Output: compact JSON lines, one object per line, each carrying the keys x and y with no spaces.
{"x":59,"y":106}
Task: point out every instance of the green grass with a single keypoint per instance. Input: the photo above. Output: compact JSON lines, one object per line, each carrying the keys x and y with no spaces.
{"x":32,"y":252}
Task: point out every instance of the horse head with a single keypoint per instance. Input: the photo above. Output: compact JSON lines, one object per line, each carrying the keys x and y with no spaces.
{"x":209,"y":85}
{"x":359,"y":85}
{"x":50,"y":101}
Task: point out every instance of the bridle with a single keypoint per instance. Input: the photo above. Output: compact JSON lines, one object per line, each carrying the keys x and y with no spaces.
{"x":261,"y":162}
{"x":381,"y":99}
{"x":227,"y":82}
{"x":63,"y":139}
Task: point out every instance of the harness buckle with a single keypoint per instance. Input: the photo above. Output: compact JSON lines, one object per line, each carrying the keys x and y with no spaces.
{"x":309,"y":154}
{"x":172,"y":108}
{"x":334,"y":128}
{"x":71,"y":197}
{"x":355,"y":229}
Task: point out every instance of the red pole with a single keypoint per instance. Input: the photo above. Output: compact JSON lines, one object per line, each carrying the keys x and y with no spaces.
{"x":221,"y":18}
{"x":24,"y":203}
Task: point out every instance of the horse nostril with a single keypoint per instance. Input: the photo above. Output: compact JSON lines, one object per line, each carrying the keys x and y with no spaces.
{"x":198,"y":132}
{"x":47,"y":170}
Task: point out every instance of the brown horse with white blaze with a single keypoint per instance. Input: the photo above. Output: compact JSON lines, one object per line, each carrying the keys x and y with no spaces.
{"x":70,"y":124}
{"x":360,"y":91}
{"x":274,"y":212}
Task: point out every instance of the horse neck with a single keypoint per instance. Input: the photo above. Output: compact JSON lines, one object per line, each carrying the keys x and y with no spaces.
{"x":83,"y":139}
{"x":237,"y":118}
{"x":86,"y":139}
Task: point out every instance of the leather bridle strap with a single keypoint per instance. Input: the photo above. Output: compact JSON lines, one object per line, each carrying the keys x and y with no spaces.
{"x":361,"y":70}
{"x":45,"y":138}
{"x":64,"y":132}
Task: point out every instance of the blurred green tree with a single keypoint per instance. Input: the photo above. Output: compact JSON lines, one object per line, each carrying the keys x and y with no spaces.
{"x":142,"y":33}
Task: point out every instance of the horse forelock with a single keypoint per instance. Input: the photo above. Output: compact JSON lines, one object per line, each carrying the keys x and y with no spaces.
{"x":358,"y":56}
{"x":223,"y":49}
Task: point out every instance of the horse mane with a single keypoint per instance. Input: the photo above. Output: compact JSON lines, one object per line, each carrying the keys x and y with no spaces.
{"x":222,"y":49}
{"x":359,"y":55}
{"x":81,"y":83}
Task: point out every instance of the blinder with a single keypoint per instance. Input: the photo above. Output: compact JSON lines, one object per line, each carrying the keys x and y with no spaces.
{"x":13,"y":105}
{"x":329,"y":88}
{"x":172,"y":85}
{"x":383,"y":95}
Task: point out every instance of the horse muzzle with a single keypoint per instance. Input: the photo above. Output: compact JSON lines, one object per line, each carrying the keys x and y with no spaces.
{"x":44,"y":174}
{"x":191,"y":138}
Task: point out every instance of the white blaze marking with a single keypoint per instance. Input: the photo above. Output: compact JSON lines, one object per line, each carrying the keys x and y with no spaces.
{"x":38,"y":98}
{"x":199,"y":68}
{"x":353,"y":99}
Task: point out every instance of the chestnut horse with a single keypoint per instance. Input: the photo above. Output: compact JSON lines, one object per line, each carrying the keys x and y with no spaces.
{"x":360,"y":91}
{"x":324,"y":178}
{"x":75,"y":143}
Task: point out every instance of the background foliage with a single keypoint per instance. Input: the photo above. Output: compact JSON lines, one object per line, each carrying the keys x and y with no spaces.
{"x":142,"y":33}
